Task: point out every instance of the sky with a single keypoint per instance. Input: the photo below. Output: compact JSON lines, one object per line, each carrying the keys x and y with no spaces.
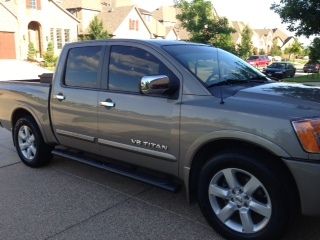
{"x":256,"y":13}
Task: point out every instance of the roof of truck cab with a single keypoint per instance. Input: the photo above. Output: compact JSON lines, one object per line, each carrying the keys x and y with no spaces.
{"x":155,"y":42}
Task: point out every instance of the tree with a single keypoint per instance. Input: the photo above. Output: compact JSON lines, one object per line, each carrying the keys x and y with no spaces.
{"x":275,"y":49}
{"x":302,"y":16}
{"x":197,"y":17}
{"x":295,"y":49}
{"x":49,"y":58}
{"x":31,"y":52}
{"x":224,"y":41}
{"x":245,"y":48}
{"x":315,"y":50}
{"x":262,"y":51}
{"x":96,"y":31}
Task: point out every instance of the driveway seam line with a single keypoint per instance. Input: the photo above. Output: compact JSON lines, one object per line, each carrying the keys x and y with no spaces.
{"x":134,"y":197}
{"x":9,"y":165}
{"x":86,"y":219}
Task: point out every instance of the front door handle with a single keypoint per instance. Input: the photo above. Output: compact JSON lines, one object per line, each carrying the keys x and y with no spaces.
{"x":60,"y":97}
{"x":108,"y":103}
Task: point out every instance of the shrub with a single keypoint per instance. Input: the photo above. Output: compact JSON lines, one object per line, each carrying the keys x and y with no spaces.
{"x":50,"y":60}
{"x":31,"y":52}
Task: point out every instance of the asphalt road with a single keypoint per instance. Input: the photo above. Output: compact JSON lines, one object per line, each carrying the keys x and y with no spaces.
{"x":68,"y":200}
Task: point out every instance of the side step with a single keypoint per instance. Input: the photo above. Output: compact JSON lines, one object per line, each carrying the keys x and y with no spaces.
{"x":114,"y":168}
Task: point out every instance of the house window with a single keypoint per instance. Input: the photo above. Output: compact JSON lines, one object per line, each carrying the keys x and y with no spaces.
{"x":59,"y":38}
{"x":52,"y":35}
{"x":133,"y":25}
{"x":67,"y":35}
{"x":34,"y":4}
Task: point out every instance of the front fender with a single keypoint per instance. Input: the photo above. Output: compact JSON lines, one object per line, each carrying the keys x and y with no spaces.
{"x":232,"y":135}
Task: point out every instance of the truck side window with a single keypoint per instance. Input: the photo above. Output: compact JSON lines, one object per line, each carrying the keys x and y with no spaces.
{"x":83,"y":65}
{"x":129,"y":64}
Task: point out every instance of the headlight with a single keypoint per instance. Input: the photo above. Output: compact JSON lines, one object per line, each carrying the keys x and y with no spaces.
{"x":308,"y":132}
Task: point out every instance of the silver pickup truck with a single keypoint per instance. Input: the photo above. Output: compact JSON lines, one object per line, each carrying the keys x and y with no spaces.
{"x":170,"y":113}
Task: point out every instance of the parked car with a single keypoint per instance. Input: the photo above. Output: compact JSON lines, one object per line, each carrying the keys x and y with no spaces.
{"x":312,"y":67}
{"x":246,"y":148}
{"x":280,"y":70}
{"x":259,"y":61}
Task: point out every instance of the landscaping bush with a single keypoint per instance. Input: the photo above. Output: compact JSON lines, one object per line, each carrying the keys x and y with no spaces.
{"x":31,"y":52}
{"x":50,"y":60}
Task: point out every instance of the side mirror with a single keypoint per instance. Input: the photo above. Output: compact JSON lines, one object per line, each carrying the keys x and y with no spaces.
{"x":158,"y":85}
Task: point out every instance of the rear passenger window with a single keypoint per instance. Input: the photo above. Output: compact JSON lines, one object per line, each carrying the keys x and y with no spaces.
{"x":129,"y":64}
{"x":83,"y":65}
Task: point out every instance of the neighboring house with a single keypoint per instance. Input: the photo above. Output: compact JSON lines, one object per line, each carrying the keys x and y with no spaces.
{"x":124,"y":22}
{"x":36,"y":21}
{"x":157,"y":29}
{"x":167,"y":15}
{"x":84,"y":10}
{"x":262,"y":39}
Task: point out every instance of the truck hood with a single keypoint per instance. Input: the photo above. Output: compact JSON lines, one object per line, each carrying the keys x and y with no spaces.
{"x":295,"y":100}
{"x":284,"y":92}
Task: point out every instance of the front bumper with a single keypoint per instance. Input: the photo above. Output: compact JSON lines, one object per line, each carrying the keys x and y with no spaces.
{"x":307,"y":177}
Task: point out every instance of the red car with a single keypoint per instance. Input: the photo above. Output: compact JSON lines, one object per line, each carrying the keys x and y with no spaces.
{"x":259,"y":61}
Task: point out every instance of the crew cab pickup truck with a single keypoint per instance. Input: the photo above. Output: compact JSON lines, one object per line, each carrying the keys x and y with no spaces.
{"x":171,"y":113}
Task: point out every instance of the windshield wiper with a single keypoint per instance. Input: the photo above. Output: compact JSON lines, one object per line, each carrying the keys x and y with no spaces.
{"x":258,"y":79}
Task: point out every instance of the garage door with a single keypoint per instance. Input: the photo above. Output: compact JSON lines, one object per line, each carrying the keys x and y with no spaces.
{"x":7,"y":45}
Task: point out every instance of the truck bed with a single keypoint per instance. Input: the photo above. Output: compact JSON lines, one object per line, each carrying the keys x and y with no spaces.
{"x":31,"y":95}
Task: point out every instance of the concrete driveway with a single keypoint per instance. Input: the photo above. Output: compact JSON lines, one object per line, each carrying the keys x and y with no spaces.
{"x":68,"y":200}
{"x":19,"y":70}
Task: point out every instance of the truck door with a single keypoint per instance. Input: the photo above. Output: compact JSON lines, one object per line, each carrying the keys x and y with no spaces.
{"x":74,"y":98}
{"x":133,"y":127}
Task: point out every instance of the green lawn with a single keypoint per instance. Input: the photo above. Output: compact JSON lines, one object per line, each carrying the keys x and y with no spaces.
{"x":302,"y":79}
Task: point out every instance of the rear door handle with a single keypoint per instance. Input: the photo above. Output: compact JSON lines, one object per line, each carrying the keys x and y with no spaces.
{"x":60,"y":97}
{"x":108,"y":103}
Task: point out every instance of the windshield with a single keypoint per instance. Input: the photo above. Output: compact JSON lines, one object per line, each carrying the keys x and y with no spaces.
{"x":277,"y":65}
{"x":212,"y":65}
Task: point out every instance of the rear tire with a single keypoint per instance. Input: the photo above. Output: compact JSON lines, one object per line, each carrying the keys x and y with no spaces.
{"x":258,"y":206}
{"x":31,"y":148}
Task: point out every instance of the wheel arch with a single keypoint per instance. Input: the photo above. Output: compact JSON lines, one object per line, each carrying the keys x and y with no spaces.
{"x":205,"y":151}
{"x":23,"y":112}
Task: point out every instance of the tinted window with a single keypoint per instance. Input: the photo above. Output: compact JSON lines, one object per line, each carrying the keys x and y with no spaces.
{"x":129,"y":64}
{"x":211,"y":65}
{"x":83,"y":67}
{"x":277,"y":65}
{"x":253,"y":58}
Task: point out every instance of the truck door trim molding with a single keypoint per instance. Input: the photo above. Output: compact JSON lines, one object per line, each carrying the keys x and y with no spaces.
{"x":140,"y":150}
{"x":75,"y":135}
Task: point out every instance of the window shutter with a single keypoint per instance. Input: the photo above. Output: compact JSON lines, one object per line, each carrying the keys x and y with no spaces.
{"x":28,"y":3}
{"x":38,"y":4}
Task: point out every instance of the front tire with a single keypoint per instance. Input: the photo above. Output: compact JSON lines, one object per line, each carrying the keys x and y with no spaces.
{"x":242,"y":197}
{"x":31,"y":148}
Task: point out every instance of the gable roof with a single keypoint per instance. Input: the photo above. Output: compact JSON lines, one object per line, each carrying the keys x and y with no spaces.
{"x":10,"y":11}
{"x":263,"y":32}
{"x":280,"y":34}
